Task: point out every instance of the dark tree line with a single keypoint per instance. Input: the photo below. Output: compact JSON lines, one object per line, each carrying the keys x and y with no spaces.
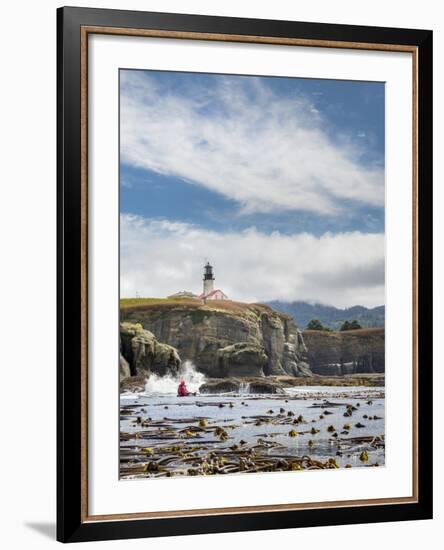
{"x":315,"y":324}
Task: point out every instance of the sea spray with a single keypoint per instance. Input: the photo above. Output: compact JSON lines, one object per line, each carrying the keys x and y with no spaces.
{"x":244,"y":388}
{"x":167,"y":385}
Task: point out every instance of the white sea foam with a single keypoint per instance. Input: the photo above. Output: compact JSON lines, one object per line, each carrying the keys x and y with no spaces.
{"x":244,"y":388}
{"x":129,"y":395}
{"x":167,"y":385}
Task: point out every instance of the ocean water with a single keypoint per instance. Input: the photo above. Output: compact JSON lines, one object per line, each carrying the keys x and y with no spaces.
{"x":157,"y":419}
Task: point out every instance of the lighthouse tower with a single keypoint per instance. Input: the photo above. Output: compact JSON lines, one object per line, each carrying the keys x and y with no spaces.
{"x":209,"y":292}
{"x":208,"y":279}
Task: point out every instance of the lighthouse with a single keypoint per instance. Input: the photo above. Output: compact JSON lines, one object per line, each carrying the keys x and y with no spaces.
{"x":208,"y":279}
{"x":209,"y":293}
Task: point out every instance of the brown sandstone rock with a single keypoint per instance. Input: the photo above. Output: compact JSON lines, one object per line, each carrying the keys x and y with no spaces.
{"x":199,"y":332}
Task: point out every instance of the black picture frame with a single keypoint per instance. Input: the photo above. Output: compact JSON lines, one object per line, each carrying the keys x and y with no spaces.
{"x":71,"y":523}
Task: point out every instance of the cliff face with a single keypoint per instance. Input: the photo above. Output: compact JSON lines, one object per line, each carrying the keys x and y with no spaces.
{"x":347,"y":352}
{"x":141,"y":353}
{"x":225,"y":338}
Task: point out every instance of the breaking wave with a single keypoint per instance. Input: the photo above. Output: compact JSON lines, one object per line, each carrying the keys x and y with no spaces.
{"x":167,"y":385}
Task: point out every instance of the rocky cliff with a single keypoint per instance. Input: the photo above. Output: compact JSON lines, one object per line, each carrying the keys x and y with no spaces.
{"x":347,"y":352}
{"x":222,"y":338}
{"x":141,"y":353}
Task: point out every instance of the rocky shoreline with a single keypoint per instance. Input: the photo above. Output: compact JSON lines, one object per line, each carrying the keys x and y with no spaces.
{"x":248,"y":410}
{"x":222,"y":339}
{"x":227,"y":340}
{"x":342,"y":353}
{"x":278,"y":384}
{"x":268,"y":385}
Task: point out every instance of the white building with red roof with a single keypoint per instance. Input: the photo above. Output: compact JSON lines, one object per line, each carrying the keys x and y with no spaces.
{"x":209,"y":292}
{"x":216,"y":294}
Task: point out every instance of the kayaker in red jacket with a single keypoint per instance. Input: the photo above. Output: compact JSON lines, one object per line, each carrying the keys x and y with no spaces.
{"x":182,"y":390}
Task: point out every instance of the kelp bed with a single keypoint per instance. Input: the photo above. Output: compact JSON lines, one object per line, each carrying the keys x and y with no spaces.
{"x":202,"y":445}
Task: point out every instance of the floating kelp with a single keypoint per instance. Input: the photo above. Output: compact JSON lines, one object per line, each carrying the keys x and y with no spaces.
{"x":206,"y":460}
{"x":228,"y":462}
{"x":363,"y":456}
{"x":326,"y":404}
{"x":299,"y":436}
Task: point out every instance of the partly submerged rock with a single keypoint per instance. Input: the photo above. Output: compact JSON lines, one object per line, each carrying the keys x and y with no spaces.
{"x":256,"y":385}
{"x":265,"y":386}
{"x":219,"y":386}
{"x":133,"y":384}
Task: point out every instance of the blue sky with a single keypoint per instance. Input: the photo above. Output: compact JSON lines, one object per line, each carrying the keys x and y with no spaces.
{"x":280,"y":162}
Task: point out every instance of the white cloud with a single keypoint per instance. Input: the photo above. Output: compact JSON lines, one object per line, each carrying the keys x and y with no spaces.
{"x":240,"y":139}
{"x":162,"y":257}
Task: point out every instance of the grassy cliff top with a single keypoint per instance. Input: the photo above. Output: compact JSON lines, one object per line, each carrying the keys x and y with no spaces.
{"x":237,"y":308}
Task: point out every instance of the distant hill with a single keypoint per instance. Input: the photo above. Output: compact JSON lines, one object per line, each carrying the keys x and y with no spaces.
{"x":330,"y":316}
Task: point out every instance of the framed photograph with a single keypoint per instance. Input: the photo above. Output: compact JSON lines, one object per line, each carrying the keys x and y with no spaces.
{"x":244,"y":274}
